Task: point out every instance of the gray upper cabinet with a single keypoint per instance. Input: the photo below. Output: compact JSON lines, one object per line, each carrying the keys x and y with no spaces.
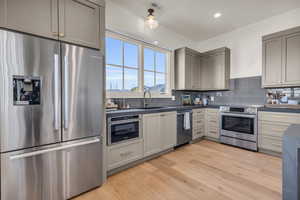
{"x":39,"y":17}
{"x":187,"y":69}
{"x":281,"y":59}
{"x":272,"y":62}
{"x":76,"y":21}
{"x":79,"y":22}
{"x":215,"y":69}
{"x":291,"y":72}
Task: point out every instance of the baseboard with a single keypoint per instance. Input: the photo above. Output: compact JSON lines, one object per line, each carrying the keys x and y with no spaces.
{"x":269,"y":152}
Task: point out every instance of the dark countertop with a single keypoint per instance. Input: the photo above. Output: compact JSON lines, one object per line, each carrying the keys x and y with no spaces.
{"x":134,"y":111}
{"x":138,"y":111}
{"x":286,"y":110}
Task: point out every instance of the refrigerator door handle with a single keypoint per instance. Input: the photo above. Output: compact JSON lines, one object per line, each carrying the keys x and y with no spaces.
{"x":66,"y":92}
{"x":56,"y":92}
{"x":35,"y":153}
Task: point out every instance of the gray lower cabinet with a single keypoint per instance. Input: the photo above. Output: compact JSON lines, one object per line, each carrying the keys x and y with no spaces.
{"x":75,"y":21}
{"x":159,"y":131}
{"x":122,"y":154}
{"x":39,"y":17}
{"x":281,"y":59}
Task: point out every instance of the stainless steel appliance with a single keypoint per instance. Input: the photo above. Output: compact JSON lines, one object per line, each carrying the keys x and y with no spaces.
{"x":51,"y":111}
{"x":123,"y":129}
{"x":184,"y":134}
{"x":239,"y":126}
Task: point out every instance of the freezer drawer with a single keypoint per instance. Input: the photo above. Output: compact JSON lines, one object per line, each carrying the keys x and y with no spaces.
{"x":51,"y":173}
{"x":35,"y":177}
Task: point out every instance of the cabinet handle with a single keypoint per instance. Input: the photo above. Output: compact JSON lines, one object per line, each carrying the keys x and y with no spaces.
{"x":61,"y":35}
{"x":162,"y":115}
{"x":126,"y":153}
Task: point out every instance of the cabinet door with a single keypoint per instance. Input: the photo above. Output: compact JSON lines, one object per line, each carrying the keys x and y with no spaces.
{"x":188,"y":71}
{"x":272,"y":62}
{"x":168,"y":129}
{"x":291,"y":72}
{"x":195,"y":76}
{"x":152,"y":135}
{"x":38,"y":17}
{"x":79,"y":22}
{"x":219,"y":71}
{"x":207,"y":73}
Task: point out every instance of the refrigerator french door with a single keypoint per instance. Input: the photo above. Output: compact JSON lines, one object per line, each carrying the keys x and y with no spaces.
{"x":51,"y":111}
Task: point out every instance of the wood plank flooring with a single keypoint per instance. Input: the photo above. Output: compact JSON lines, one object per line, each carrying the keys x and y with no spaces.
{"x":205,"y":170}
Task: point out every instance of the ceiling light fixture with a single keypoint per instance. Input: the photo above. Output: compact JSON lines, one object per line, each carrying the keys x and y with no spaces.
{"x":150,"y":20}
{"x":217,"y":15}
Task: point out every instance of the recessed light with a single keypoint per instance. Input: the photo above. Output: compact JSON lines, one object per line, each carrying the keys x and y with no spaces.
{"x":217,"y":15}
{"x":155,"y":42}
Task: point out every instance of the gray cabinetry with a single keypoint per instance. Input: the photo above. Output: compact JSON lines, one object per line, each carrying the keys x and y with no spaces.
{"x":281,"y":59}
{"x":215,"y":69}
{"x":39,"y":17}
{"x":79,"y":22}
{"x":75,"y":21}
{"x":187,"y":68}
{"x":291,"y":72}
{"x":272,"y":62}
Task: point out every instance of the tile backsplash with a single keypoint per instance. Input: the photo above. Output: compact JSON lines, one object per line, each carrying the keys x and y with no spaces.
{"x":243,"y":91}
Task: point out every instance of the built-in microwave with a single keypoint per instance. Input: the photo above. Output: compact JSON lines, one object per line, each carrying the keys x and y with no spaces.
{"x":123,"y":128}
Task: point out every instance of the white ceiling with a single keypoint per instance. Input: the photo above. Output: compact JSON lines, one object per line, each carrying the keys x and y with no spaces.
{"x":194,"y":18}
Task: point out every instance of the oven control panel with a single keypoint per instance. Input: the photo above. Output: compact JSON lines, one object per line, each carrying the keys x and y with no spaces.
{"x":235,"y":109}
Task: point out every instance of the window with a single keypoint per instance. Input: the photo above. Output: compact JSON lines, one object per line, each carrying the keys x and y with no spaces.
{"x":155,"y":70}
{"x":132,"y":66}
{"x":122,"y":67}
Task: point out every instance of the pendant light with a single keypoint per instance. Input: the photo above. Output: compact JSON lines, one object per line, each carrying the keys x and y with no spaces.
{"x":150,"y":21}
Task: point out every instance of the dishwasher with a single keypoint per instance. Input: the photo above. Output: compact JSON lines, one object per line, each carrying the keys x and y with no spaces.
{"x":184,"y":134}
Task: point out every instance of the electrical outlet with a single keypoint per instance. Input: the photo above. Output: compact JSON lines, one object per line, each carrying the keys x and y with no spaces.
{"x":173,"y":98}
{"x":212,"y":98}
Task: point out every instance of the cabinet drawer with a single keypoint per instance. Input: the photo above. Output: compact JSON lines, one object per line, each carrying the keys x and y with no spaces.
{"x":212,"y":111}
{"x":198,"y":133}
{"x":213,"y":133}
{"x":270,"y":143}
{"x":198,"y":112}
{"x":272,"y":129}
{"x":291,"y":118}
{"x":122,"y":154}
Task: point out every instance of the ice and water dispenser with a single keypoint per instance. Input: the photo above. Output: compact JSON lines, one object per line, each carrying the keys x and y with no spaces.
{"x":26,"y":90}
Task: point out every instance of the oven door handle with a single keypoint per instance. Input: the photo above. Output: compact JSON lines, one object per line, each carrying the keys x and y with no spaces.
{"x":239,"y":115}
{"x":123,"y":122}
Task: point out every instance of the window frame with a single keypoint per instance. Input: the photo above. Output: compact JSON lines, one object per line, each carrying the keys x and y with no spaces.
{"x":141,"y":46}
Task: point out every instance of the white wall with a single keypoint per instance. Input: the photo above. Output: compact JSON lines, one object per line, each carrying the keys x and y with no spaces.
{"x":121,"y":20}
{"x":246,"y":43}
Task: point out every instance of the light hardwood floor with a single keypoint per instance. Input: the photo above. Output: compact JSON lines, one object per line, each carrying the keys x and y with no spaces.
{"x":205,"y":170}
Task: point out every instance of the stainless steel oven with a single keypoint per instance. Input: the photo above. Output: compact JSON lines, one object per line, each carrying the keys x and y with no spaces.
{"x":239,"y":126}
{"x":123,"y":128}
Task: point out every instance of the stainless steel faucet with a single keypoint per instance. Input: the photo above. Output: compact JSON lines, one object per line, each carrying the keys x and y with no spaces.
{"x":145,"y":93}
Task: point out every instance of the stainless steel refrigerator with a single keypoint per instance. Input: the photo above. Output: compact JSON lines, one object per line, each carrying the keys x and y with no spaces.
{"x":51,"y":118}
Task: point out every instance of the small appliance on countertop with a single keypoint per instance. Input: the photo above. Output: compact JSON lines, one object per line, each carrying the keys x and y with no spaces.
{"x":238,"y":126}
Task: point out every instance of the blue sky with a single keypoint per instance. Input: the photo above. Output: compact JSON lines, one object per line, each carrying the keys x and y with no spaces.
{"x":114,"y":55}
